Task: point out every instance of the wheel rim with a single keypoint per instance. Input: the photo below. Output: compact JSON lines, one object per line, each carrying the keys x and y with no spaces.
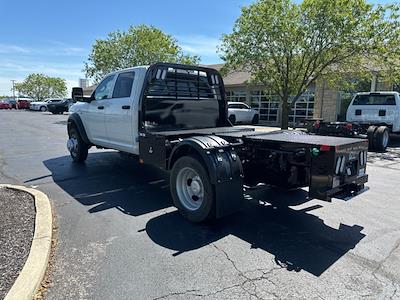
{"x":43,"y":109}
{"x":72,"y":145}
{"x":385,"y":141}
{"x":190,"y":188}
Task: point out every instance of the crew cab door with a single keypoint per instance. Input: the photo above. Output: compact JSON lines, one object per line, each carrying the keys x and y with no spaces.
{"x":93,"y":116}
{"x":119,"y":118}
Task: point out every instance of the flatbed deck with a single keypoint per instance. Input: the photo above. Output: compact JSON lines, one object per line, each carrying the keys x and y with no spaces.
{"x":261,"y":133}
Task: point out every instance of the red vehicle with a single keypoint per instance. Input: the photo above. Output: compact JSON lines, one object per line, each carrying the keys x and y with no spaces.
{"x":4,"y":105}
{"x":23,"y":104}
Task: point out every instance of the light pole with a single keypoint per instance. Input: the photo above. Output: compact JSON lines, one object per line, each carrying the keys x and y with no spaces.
{"x":13,"y":89}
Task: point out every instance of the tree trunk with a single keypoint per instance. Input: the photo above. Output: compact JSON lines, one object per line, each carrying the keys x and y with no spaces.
{"x":285,"y":113}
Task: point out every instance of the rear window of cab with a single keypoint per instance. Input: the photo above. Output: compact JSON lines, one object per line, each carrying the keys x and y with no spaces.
{"x":374,"y":100}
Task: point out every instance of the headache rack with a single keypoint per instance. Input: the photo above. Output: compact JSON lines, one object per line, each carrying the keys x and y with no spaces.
{"x":179,"y":97}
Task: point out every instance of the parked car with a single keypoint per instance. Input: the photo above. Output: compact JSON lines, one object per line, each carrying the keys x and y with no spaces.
{"x":4,"y":105}
{"x":42,"y":105}
{"x":60,"y":107}
{"x":240,"y":112}
{"x":23,"y":104}
{"x":12,"y":102}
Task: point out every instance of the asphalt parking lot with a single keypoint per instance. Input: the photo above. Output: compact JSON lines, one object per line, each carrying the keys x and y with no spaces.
{"x":120,"y":238}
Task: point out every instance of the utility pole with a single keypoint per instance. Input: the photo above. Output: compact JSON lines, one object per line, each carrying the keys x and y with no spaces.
{"x":13,"y":89}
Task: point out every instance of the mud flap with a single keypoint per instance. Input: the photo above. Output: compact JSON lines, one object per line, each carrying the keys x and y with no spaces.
{"x":224,"y":168}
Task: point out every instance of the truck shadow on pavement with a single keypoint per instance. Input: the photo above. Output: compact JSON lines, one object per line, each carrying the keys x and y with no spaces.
{"x":390,"y":156}
{"x":110,"y":180}
{"x":297,"y":239}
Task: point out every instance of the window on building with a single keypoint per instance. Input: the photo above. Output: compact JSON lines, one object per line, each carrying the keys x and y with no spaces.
{"x":267,"y":105}
{"x":303,"y":108}
{"x":236,"y":96}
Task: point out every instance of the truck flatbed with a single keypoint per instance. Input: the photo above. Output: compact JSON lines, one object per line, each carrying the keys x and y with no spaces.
{"x":260,"y":133}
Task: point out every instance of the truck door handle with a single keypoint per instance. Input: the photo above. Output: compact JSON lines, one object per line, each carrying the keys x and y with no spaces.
{"x":100,"y":107}
{"x":126,"y":107}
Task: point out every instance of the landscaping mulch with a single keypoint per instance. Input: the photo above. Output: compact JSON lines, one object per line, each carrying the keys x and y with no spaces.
{"x":17,"y":223}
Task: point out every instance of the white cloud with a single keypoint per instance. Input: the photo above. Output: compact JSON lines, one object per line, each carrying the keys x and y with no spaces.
{"x":199,"y":45}
{"x":52,"y":69}
{"x":53,"y":50}
{"x":4,"y":49}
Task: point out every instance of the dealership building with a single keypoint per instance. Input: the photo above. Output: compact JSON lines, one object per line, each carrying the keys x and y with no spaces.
{"x":319,"y":101}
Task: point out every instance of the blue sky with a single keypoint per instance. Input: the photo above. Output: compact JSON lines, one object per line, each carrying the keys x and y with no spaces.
{"x":55,"y":37}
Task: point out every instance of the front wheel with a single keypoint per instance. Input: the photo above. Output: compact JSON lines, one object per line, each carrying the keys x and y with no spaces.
{"x":191,"y":190}
{"x":76,"y":146}
{"x":43,"y":108}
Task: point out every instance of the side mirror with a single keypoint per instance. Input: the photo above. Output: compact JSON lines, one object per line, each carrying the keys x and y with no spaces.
{"x":77,"y":94}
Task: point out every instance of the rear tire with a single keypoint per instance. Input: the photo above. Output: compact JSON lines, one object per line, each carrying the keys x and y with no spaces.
{"x":255,"y":120}
{"x":43,"y":108}
{"x":370,"y":135}
{"x":76,"y":146}
{"x":192,"y":191}
{"x":381,"y":138}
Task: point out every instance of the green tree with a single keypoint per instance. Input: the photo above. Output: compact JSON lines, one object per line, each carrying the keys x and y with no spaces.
{"x":288,"y":46}
{"x":39,"y":87}
{"x":140,"y":45}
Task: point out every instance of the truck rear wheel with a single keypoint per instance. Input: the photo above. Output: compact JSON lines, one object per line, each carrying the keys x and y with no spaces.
{"x":76,"y":146}
{"x":191,"y":190}
{"x":370,"y":135}
{"x":381,"y":138}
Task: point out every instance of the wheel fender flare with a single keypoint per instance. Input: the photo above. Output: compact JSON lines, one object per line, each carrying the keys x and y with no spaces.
{"x":223,"y":166}
{"x":75,"y":120}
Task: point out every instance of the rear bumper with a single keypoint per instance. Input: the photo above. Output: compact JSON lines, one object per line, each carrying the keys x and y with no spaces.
{"x":349,"y":186}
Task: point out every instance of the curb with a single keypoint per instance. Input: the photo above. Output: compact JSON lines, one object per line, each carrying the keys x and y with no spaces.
{"x":30,"y":278}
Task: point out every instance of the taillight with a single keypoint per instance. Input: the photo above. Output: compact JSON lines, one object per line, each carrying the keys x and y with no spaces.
{"x":317,"y":125}
{"x":363,"y":158}
{"x":340,"y":165}
{"x":349,"y":126}
{"x":338,"y":162}
{"x":325,"y":148}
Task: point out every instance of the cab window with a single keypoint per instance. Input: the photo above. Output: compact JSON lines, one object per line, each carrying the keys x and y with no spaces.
{"x":374,"y":99}
{"x":123,"y":85}
{"x":103,"y":91}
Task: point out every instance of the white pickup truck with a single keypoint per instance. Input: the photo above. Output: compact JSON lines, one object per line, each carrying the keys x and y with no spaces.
{"x":175,"y":117}
{"x":371,"y":115}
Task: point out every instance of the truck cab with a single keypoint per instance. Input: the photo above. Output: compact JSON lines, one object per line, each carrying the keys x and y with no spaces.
{"x":110,"y":115}
{"x":375,"y":108}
